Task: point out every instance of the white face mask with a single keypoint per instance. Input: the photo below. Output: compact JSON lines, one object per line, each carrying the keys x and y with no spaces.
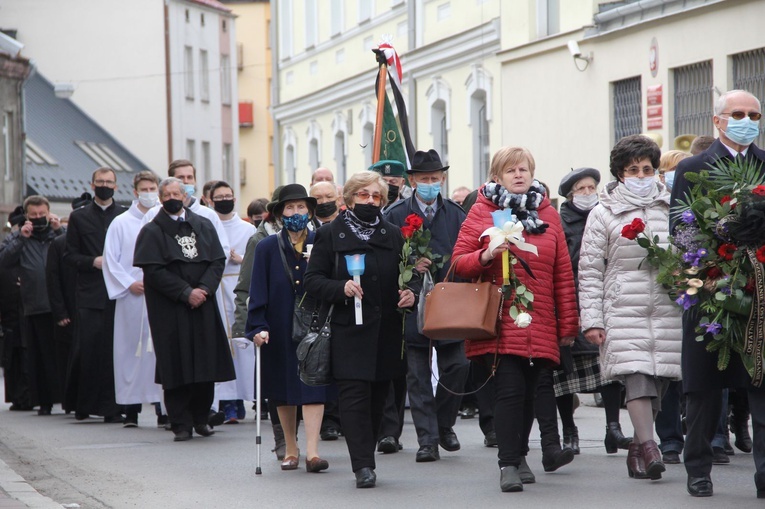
{"x":148,"y":200}
{"x":669,"y":179}
{"x":585,"y":201}
{"x":641,"y":186}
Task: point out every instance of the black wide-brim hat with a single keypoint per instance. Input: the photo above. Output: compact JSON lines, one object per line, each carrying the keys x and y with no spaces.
{"x":274,"y":200}
{"x":293,"y":192}
{"x":575,"y":176}
{"x":426,"y":161}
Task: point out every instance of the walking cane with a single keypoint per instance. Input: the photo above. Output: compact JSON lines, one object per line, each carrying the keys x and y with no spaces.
{"x":258,"y":471}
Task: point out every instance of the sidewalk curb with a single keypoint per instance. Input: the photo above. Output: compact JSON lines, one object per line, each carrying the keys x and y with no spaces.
{"x":18,"y":488}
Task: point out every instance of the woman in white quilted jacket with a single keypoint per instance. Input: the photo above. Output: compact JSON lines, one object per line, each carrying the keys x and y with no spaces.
{"x":623,"y":309}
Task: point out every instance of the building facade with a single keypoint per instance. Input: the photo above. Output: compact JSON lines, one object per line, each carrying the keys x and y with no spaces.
{"x":158,"y":74}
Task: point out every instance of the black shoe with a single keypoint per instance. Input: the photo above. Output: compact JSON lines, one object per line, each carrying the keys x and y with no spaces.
{"x":700,"y":486}
{"x":525,"y":473}
{"x":388,"y":445}
{"x":553,"y":459}
{"x":427,"y":453}
{"x":671,"y":457}
{"x":571,"y":439}
{"x":615,"y":439}
{"x":720,"y":457}
{"x":365,"y":478}
{"x":215,"y":418}
{"x":114,"y":419}
{"x":131,"y":420}
{"x":80,"y":416}
{"x":743,"y":439}
{"x":510,"y":480}
{"x":468,"y":412}
{"x":447,"y":439}
{"x":44,"y":410}
{"x":204,"y":430}
{"x":161,"y":421}
{"x":329,"y":434}
{"x":16,"y":407}
{"x":490,"y":439}
{"x":182,"y":435}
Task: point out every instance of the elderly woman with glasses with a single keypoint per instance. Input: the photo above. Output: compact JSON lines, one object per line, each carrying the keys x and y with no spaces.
{"x":623,"y":309}
{"x":365,"y":355}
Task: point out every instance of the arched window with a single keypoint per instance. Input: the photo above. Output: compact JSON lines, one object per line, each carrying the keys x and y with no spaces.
{"x":478,"y":86}
{"x":313,"y":135}
{"x":290,"y":144}
{"x":367,"y":122}
{"x":439,"y":100}
{"x":340,"y":128}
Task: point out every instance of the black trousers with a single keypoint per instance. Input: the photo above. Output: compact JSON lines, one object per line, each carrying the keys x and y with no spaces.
{"x":331,"y":417}
{"x":757,"y":408}
{"x":393,"y":415}
{"x":515,"y":384}
{"x":15,"y":369}
{"x":361,"y":411}
{"x":668,"y":424}
{"x":189,"y":405}
{"x":546,"y":410}
{"x":43,"y":370}
{"x":486,"y":395}
{"x":702,"y":414}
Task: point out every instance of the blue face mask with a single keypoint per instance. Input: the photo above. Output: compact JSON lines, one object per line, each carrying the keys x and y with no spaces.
{"x":669,"y":179}
{"x":296,"y":222}
{"x":190,"y":189}
{"x":428,"y":192}
{"x":743,"y":131}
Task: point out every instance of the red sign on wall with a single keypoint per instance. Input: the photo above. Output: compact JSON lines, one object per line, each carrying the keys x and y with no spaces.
{"x":653,"y":94}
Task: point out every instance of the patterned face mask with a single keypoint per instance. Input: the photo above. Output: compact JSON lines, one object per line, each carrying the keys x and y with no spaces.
{"x":296,"y":223}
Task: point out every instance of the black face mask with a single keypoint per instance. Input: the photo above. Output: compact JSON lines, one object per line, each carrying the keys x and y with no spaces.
{"x":104,"y":193}
{"x":223,"y":206}
{"x":257,"y":222}
{"x":39,"y":224}
{"x":326,"y":209}
{"x":392,"y":193}
{"x":366,"y":212}
{"x":172,"y":206}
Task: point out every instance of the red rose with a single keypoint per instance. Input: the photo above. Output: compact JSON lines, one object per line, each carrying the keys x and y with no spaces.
{"x":725,"y":199}
{"x":759,"y":190}
{"x":761,"y":254}
{"x":714,"y":273}
{"x":749,"y":288}
{"x":726,"y":251}
{"x":629,"y":232}
{"x":414,"y":221}
{"x":407,"y":231}
{"x":638,"y":225}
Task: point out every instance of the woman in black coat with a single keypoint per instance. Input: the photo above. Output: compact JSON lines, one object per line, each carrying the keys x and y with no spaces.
{"x":365,"y":358}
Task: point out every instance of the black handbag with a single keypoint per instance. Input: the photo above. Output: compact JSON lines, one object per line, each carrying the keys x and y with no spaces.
{"x":313,"y":354}
{"x":303,"y":320}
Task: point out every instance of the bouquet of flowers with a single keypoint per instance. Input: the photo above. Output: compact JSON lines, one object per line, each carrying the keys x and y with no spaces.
{"x":720,"y":242}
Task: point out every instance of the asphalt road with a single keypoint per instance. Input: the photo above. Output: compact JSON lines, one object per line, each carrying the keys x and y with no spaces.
{"x":97,"y":465}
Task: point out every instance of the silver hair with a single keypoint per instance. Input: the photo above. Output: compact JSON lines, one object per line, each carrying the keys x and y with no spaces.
{"x":170,"y":180}
{"x":722,"y":102}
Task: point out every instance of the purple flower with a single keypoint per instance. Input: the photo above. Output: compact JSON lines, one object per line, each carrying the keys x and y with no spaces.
{"x":726,"y":290}
{"x":688,"y":217}
{"x":685,"y":238}
{"x":713,"y":327}
{"x":687,"y":301}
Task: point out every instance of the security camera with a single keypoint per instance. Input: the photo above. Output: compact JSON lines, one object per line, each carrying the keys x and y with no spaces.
{"x":573,"y":48}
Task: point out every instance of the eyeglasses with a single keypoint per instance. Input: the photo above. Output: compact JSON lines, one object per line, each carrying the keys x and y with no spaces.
{"x":632,"y":172}
{"x":104,"y":182}
{"x":739,"y":115}
{"x":224,"y":197}
{"x":364,"y":196}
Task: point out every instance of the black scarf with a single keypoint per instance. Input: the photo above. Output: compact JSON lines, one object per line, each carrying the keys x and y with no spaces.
{"x":361,"y":229}
{"x":523,"y":206}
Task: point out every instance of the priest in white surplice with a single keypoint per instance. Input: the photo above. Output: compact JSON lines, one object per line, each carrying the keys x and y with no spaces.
{"x":134,"y":361}
{"x":232,"y":394}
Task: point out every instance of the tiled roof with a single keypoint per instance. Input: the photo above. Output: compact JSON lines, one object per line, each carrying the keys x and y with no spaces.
{"x":211,"y":3}
{"x":65,"y":145}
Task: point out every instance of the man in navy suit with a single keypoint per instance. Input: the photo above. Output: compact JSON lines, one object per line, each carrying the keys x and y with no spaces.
{"x":737,"y":115}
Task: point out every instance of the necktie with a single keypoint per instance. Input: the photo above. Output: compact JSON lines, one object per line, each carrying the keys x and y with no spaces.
{"x":429,"y":212}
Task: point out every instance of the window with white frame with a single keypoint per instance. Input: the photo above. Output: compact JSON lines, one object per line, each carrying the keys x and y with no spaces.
{"x":228,"y":168}
{"x":480,"y":135}
{"x":366,"y":8}
{"x":749,"y":74}
{"x":627,"y":113}
{"x":188,"y":71}
{"x":367,"y":141}
{"x":191,"y":150}
{"x":336,"y":17}
{"x":311,"y":23}
{"x":548,"y":17}
{"x":313,"y":154}
{"x":694,"y":99}
{"x":204,"y":76}
{"x":289,"y":164}
{"x":225,"y":79}
{"x":444,"y":11}
{"x":285,"y":29}
{"x":206,"y":162}
{"x":440,"y":130}
{"x":340,"y":158}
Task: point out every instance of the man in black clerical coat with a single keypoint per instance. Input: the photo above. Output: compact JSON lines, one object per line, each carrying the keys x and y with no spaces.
{"x":182,"y":262}
{"x":90,"y":377}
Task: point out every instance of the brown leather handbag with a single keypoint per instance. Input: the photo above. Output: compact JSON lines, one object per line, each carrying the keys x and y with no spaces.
{"x":463,"y":310}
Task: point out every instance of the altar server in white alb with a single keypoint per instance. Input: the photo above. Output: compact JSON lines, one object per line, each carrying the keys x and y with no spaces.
{"x":232,"y":394}
{"x":134,"y":361}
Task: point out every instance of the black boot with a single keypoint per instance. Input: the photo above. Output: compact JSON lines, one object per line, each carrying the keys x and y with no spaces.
{"x":740,"y":428}
{"x":571,"y":439}
{"x":615,"y":439}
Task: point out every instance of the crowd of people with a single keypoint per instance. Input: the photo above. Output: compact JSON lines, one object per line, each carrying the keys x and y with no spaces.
{"x":161,"y":302}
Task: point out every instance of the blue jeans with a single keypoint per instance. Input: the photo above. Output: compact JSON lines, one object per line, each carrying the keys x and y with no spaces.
{"x":668,"y":425}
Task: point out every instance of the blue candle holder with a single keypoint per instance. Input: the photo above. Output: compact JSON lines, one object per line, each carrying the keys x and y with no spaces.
{"x":355,"y":264}
{"x":502,"y":216}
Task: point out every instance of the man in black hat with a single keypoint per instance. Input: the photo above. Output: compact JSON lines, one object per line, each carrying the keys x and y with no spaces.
{"x":183,"y":261}
{"x":433,"y":417}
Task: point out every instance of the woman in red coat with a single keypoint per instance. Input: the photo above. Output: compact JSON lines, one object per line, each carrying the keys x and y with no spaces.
{"x":523,"y":348}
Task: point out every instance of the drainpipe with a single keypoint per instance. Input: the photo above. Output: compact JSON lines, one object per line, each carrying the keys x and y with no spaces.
{"x":168,"y":88}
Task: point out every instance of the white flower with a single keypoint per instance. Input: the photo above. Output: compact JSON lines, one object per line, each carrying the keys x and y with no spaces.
{"x":523,"y":320}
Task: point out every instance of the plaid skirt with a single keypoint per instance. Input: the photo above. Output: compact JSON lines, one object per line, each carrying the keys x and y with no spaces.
{"x":585,"y":376}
